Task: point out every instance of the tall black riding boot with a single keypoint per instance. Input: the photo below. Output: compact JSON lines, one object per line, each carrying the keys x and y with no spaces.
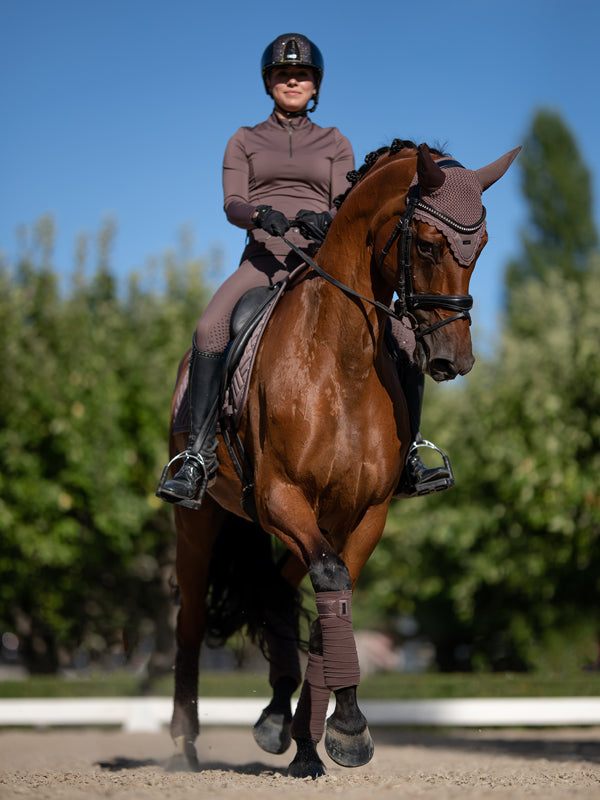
{"x":416,"y":478}
{"x":199,"y":469}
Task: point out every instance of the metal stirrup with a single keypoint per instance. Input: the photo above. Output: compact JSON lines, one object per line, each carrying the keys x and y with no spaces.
{"x":200,"y":492}
{"x":441,"y":483}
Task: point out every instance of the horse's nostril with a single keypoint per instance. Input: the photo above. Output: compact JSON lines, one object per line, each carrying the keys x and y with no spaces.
{"x":442,"y":369}
{"x":446,"y":369}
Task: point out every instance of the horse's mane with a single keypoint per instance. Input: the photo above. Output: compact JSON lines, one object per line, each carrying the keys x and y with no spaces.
{"x":371,"y":158}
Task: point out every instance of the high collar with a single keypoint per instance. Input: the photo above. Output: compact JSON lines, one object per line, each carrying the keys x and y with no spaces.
{"x":295,"y":121}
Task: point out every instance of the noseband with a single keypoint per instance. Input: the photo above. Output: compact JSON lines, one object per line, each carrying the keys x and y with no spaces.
{"x":409,"y":301}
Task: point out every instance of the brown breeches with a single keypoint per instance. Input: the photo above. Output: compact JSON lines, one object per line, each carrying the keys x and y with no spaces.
{"x":212,"y":332}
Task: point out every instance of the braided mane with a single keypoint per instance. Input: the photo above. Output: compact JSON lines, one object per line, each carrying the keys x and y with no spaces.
{"x":371,"y":158}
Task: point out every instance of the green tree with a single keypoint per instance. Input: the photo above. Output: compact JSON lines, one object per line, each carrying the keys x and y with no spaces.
{"x":560,"y":232}
{"x":86,"y":378}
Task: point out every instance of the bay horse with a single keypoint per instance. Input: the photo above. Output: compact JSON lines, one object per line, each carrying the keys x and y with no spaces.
{"x":326,"y":431}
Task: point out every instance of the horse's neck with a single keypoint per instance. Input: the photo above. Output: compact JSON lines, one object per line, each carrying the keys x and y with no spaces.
{"x":344,"y":256}
{"x":347,"y":328}
{"x":351,"y":326}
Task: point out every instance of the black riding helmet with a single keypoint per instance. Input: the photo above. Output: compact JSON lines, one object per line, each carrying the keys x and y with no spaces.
{"x":293,"y":49}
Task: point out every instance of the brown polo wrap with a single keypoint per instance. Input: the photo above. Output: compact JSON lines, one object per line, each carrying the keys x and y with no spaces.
{"x":309,"y":718}
{"x":340,"y":658}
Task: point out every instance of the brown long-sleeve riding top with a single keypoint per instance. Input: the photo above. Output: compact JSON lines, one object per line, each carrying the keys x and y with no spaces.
{"x":287,"y":164}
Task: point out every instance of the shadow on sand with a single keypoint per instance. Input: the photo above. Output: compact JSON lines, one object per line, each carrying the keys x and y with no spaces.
{"x":523,"y":744}
{"x":177,"y":764}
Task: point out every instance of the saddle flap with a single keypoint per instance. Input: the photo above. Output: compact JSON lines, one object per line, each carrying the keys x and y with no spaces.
{"x":251,"y":314}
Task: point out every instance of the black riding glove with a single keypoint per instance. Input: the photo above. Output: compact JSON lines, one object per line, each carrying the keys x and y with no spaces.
{"x":271,"y":221}
{"x":314,"y":225}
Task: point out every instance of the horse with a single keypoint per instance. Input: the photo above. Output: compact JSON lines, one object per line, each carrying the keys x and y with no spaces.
{"x":326,"y":431}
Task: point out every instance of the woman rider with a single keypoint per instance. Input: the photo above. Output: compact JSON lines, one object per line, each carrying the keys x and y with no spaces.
{"x":285,"y":168}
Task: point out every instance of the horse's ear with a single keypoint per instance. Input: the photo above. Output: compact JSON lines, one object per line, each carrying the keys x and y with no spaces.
{"x":431,"y":177}
{"x":490,"y":174}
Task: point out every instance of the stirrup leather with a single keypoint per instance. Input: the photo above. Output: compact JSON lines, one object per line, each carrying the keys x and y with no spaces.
{"x":202,"y":486}
{"x":429,"y":487}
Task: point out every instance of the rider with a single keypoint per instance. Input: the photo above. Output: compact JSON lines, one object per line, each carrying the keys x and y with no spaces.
{"x":285,"y":168}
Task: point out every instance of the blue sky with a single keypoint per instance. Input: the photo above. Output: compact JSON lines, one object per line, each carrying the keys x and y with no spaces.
{"x":124,"y":107}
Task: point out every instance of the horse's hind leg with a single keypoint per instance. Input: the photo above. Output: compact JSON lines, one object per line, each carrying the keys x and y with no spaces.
{"x":272,"y":732}
{"x":196,"y":532}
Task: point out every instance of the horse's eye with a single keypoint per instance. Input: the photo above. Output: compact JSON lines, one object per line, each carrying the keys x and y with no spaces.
{"x":426,"y":249}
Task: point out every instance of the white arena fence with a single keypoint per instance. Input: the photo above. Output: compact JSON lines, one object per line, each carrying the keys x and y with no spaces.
{"x":151,"y":714}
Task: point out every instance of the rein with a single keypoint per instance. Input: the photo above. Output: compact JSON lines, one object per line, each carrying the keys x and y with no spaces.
{"x":346,"y":289}
{"x":407,"y":301}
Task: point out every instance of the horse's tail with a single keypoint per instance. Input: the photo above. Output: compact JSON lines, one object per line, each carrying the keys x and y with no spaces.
{"x":246,"y":591}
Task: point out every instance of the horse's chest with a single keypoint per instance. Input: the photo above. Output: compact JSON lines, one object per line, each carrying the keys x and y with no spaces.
{"x":339,"y":437}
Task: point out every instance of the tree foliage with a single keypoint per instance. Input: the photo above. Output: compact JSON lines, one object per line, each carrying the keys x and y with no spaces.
{"x":86,"y":379}
{"x":560,"y":231}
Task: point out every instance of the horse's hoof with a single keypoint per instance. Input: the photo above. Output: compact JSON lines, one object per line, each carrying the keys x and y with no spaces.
{"x":349,"y":750}
{"x":272,"y":733}
{"x":307,"y":763}
{"x":185,"y":758}
{"x":306,"y":769}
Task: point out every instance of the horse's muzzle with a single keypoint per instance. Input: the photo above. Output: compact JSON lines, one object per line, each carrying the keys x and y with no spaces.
{"x":445,"y":369}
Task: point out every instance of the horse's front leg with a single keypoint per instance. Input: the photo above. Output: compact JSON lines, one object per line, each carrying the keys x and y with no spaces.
{"x":196,"y":532}
{"x":285,"y":512}
{"x":309,"y":718}
{"x":332,"y":666}
{"x":348,"y":741}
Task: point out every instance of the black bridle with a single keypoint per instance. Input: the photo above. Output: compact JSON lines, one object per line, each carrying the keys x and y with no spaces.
{"x":408,"y":301}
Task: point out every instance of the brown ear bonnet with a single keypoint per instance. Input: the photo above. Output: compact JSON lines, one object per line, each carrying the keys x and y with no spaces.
{"x":450,"y":199}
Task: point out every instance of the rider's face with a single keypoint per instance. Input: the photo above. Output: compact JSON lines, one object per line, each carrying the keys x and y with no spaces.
{"x":291,"y":87}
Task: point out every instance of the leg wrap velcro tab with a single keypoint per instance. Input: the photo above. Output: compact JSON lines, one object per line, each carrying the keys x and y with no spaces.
{"x":340,"y":659}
